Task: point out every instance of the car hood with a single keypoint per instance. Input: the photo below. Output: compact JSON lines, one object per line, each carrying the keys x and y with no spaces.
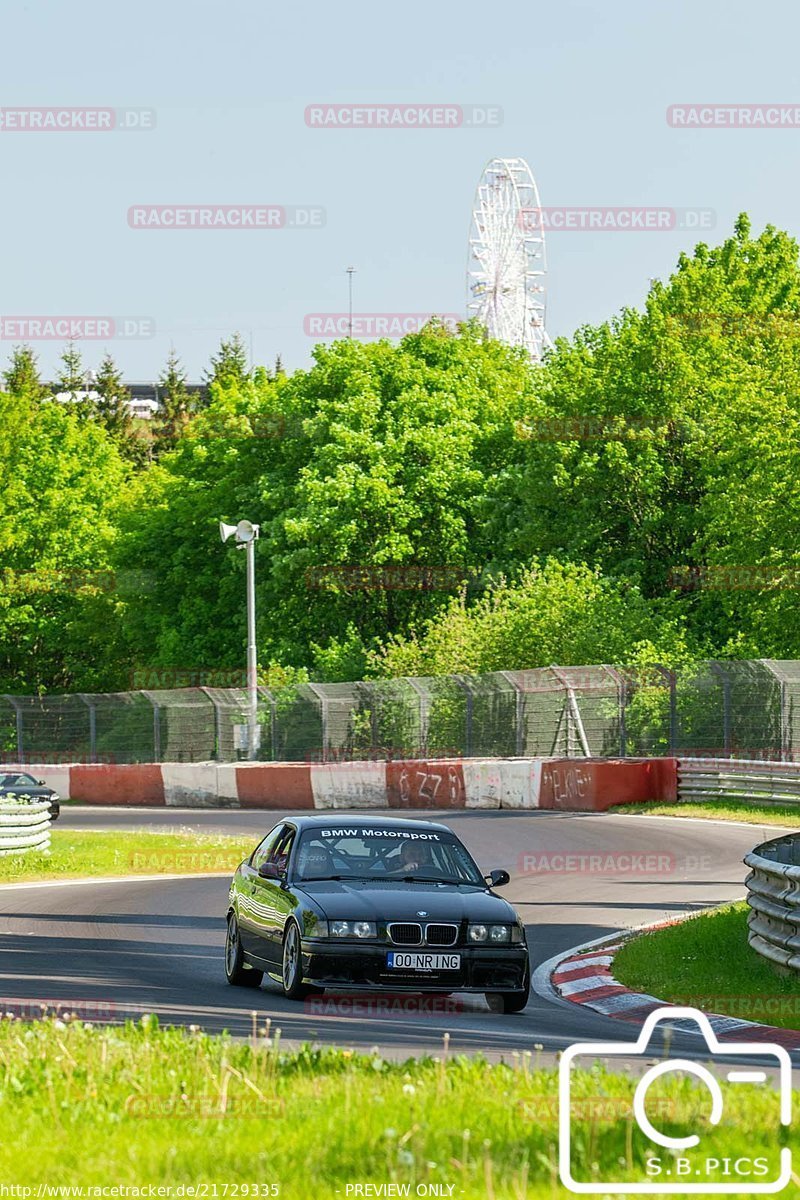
{"x":340,"y":900}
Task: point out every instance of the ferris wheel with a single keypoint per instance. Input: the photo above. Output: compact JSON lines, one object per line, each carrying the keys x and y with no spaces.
{"x":507,"y":264}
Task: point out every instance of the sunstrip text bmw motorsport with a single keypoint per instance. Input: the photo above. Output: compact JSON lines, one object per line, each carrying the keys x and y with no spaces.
{"x":372,"y":903}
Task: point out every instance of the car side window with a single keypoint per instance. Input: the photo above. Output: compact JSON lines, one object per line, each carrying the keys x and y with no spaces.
{"x":283,"y":848}
{"x":266,"y":848}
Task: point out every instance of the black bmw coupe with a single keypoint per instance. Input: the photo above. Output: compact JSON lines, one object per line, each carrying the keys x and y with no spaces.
{"x":371,"y":903}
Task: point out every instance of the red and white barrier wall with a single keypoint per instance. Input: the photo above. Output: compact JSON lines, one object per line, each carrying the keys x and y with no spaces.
{"x":579,"y":785}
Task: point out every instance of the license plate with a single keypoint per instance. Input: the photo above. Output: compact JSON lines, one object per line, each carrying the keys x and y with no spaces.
{"x":422,"y":962}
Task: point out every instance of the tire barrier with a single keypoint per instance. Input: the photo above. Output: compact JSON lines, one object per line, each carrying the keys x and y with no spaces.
{"x":24,"y":825}
{"x":773,"y":893}
{"x":581,"y":785}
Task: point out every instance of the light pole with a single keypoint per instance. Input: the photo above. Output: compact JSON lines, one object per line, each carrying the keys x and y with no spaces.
{"x":245,"y":535}
{"x":350,"y":273}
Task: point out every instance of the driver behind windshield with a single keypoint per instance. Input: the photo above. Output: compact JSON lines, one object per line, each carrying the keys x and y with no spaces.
{"x":415,"y":858}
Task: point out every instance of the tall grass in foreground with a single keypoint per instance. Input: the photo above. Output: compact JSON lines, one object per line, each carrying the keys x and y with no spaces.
{"x":137,"y":1105}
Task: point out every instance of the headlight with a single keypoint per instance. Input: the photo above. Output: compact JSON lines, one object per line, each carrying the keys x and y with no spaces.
{"x":358,"y":929}
{"x":496,"y":935}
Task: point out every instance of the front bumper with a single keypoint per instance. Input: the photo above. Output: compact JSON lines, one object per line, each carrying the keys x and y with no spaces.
{"x":483,"y":968}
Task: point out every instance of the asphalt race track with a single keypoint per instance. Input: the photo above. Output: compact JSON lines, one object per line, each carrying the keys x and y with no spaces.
{"x":122,"y":949}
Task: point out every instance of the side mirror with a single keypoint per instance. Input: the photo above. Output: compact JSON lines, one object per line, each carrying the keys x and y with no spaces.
{"x":497,"y":878}
{"x":269,"y":870}
{"x":41,"y":782}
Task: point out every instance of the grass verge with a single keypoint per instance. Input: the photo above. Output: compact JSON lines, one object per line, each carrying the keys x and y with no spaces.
{"x":139,"y":1105}
{"x":706,"y":962}
{"x":75,"y":854}
{"x":748,"y":811}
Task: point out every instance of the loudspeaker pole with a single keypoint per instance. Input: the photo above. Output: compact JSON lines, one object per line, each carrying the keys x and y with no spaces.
{"x":252,"y":670}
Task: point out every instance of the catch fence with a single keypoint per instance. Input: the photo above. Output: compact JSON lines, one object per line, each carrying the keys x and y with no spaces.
{"x":746,"y":709}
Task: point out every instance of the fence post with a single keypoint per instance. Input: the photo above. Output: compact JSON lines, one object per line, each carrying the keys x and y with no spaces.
{"x":322,"y":700}
{"x":519,"y":735}
{"x":424,"y":714}
{"x":17,"y":707}
{"x":722,"y":674}
{"x":622,"y":701}
{"x":671,"y":677}
{"x":90,"y":704}
{"x":217,"y":722}
{"x":463,"y":682}
{"x":273,"y":731}
{"x":156,"y":725}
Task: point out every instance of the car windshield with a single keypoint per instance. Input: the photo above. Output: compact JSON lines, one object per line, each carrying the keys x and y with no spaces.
{"x":15,"y":780}
{"x":384,"y":853}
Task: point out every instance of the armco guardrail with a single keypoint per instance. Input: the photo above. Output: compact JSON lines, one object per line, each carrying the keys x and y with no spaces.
{"x":24,"y":825}
{"x":773,"y":893}
{"x":737,"y":779}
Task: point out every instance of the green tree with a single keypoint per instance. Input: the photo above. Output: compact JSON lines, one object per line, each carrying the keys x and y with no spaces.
{"x":559,"y":613}
{"x":72,"y":382}
{"x":668,"y":438}
{"x":175,"y":405}
{"x":113,"y":406}
{"x":60,"y":624}
{"x":229,"y":366}
{"x":368,"y":476}
{"x":22,"y":377}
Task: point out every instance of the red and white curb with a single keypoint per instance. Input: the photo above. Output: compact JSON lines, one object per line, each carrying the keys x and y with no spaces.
{"x":586,"y":977}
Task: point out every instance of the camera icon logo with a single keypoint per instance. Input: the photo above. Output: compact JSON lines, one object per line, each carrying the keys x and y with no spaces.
{"x":685,"y":1168}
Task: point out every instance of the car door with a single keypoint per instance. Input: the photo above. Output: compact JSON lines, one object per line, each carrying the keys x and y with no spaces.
{"x":272,"y":901}
{"x":249,"y":894}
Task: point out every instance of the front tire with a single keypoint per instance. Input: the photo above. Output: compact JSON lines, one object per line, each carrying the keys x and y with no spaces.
{"x":237,"y":974}
{"x":292,"y":966}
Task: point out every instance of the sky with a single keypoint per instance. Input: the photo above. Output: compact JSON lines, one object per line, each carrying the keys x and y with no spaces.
{"x":580,"y":90}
